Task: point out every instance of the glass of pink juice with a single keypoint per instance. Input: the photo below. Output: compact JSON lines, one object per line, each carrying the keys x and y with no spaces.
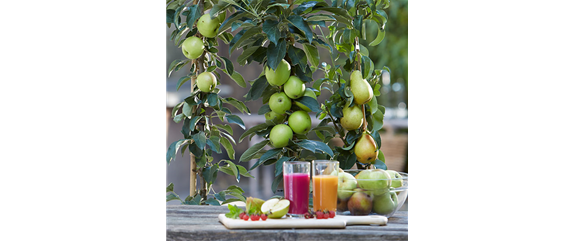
{"x":296,"y":176}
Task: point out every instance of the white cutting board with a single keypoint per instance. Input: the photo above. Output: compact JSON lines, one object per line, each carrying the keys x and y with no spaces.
{"x":339,"y":221}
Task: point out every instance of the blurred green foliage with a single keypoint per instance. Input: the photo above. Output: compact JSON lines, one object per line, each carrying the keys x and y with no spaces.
{"x":391,"y":51}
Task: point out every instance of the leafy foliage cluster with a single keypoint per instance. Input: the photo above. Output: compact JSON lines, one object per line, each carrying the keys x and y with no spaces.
{"x":268,"y":31}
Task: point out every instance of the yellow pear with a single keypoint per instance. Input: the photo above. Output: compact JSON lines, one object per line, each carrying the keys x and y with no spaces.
{"x":366,"y":149}
{"x":352,"y":117}
{"x":361,"y":89}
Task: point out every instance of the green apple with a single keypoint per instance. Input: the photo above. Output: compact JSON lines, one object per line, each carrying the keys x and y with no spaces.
{"x":300,"y":122}
{"x":279,"y":103}
{"x":360,"y":203}
{"x":310,"y":93}
{"x":206,"y":82}
{"x":294,"y":87}
{"x":275,"y":207}
{"x":373,"y":180}
{"x":386,"y":203}
{"x":397,"y":179}
{"x":352,"y":117}
{"x":280,"y":135}
{"x":208,"y":26}
{"x":347,"y":183}
{"x":276,"y":118}
{"x":192,"y":47}
{"x":280,"y":75}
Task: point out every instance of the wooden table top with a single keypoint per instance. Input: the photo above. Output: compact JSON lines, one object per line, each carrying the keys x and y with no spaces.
{"x":191,"y":222}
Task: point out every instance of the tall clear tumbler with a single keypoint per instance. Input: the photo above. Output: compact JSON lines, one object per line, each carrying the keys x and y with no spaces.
{"x":296,"y":176}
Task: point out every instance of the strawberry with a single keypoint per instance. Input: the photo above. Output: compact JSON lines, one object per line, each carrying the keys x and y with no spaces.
{"x":254,"y":217}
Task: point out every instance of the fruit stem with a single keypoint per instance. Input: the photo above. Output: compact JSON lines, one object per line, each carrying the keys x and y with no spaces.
{"x":357,"y":51}
{"x":364,"y":119}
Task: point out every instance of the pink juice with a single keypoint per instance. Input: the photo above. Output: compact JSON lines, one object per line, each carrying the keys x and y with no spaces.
{"x":296,"y":188}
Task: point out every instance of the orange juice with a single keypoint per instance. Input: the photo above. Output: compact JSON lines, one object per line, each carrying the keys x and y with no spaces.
{"x":325,"y":192}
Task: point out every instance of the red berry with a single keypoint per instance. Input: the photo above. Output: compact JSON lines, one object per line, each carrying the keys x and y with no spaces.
{"x":331,"y":214}
{"x":241,"y":215}
{"x":245,"y":217}
{"x":263,"y":217}
{"x":319,"y":215}
{"x":254,"y":217}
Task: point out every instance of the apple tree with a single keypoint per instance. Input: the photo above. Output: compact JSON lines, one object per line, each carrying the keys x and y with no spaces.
{"x":205,"y":114}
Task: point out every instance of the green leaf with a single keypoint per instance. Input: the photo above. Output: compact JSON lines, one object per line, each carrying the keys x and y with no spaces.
{"x":232,"y":200}
{"x":220,"y":196}
{"x":377,"y":118}
{"x":212,"y":99}
{"x":181,"y":81}
{"x":337,"y":11}
{"x":234,"y":211}
{"x":367,"y":66}
{"x":257,"y":88}
{"x":329,"y":129}
{"x":231,"y":19}
{"x":380,"y":164}
{"x":270,"y":154}
{"x":358,"y":23}
{"x":315,"y":146}
{"x":302,"y":25}
{"x":247,"y":52}
{"x":172,"y":150}
{"x":176,"y":65}
{"x":279,"y":164}
{"x":312,"y":54}
{"x":379,"y":38}
{"x":310,"y":102}
{"x":200,"y":139}
{"x":228,"y":148}
{"x":234,"y":170}
{"x":249,"y":153}
{"x":193,"y":14}
{"x":243,"y":171}
{"x":217,"y":8}
{"x":169,"y":187}
{"x":214,"y":143}
{"x":263,"y":109}
{"x":320,"y":17}
{"x":246,"y":35}
{"x":238,"y":79}
{"x":195,"y":200}
{"x":225,"y":127}
{"x":297,"y":56}
{"x":213,"y":202}
{"x":381,"y":156}
{"x":271,"y":28}
{"x":237,"y":104}
{"x":187,"y":110}
{"x":235,"y":119}
{"x":228,"y":65}
{"x":210,"y":173}
{"x":172,"y":196}
{"x":253,"y":130}
{"x":276,"y":53}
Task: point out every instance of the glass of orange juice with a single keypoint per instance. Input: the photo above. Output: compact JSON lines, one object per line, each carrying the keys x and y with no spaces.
{"x":325,"y":181}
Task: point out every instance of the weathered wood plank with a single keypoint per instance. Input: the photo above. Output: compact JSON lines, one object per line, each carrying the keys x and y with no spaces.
{"x":188,"y":222}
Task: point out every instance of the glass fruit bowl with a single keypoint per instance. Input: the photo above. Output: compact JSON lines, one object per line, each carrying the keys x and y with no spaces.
{"x":371,"y":192}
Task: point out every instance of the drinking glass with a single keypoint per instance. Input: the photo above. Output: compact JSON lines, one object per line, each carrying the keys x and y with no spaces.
{"x":325,"y":182}
{"x":296,"y":176}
